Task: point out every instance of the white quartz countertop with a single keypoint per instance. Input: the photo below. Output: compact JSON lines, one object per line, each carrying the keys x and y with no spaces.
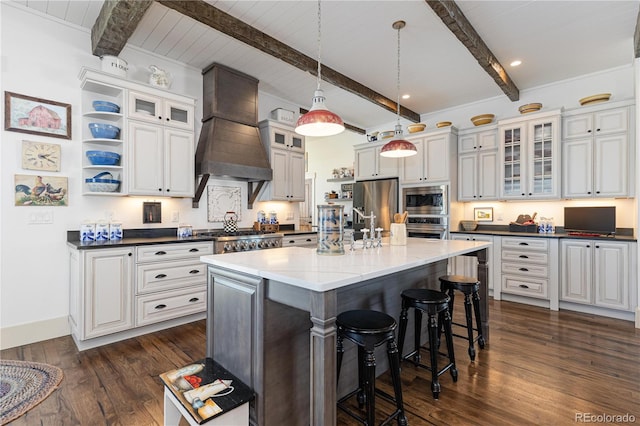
{"x":303,"y":267}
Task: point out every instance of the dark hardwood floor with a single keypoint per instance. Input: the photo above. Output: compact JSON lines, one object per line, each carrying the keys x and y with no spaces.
{"x":541,"y":368}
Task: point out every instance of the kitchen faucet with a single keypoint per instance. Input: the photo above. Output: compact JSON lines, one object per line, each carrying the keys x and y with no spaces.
{"x":373,"y":241}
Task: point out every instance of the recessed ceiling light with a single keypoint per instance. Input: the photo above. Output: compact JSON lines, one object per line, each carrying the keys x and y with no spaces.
{"x":406,"y":96}
{"x":515,"y":63}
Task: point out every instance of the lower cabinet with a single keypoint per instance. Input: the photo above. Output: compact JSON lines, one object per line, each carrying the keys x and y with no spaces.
{"x":596,"y":273}
{"x":171,"y":281}
{"x":120,"y":289}
{"x":530,"y":268}
{"x":468,"y":265}
{"x":101,"y":293}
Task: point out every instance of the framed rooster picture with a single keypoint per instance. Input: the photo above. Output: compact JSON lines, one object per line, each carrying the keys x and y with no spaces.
{"x":40,"y":190}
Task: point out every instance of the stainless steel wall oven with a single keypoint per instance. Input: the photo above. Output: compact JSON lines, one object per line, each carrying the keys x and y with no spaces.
{"x":425,"y":200}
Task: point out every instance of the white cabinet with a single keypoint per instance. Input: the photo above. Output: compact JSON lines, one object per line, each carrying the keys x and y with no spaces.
{"x":369,"y":164}
{"x":101,"y":292}
{"x":286,"y":154}
{"x":432,"y":162}
{"x":468,"y":265}
{"x":529,"y":268}
{"x":478,"y":164}
{"x":530,"y":157}
{"x":171,"y":281}
{"x":161,"y":160}
{"x":596,"y":273}
{"x":597,"y":156}
{"x":158,"y":110}
{"x":95,"y":90}
{"x":305,"y":240}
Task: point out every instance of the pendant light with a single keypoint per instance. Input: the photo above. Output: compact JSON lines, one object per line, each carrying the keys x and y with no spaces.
{"x":319,"y":121}
{"x":398,"y":147}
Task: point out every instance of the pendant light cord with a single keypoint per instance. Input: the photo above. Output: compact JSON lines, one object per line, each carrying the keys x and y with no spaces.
{"x":319,"y":43}
{"x":398,"y":85}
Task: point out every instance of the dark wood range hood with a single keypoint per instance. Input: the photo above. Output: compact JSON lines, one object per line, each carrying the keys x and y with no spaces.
{"x":229,"y":144}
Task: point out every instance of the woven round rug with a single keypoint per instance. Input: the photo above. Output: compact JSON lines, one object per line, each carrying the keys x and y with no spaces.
{"x":23,"y":385}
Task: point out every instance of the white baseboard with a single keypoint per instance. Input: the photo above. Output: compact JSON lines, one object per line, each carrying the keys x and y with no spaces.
{"x":32,"y":332}
{"x":638,"y":317}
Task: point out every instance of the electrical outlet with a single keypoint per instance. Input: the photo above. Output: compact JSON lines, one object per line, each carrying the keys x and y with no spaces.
{"x":289,"y":215}
{"x":175,"y":217}
{"x":41,"y":217}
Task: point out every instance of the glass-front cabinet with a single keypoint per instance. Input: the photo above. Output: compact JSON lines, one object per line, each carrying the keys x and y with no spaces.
{"x":529,"y":151}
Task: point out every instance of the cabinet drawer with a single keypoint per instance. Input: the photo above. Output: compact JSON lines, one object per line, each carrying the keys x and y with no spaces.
{"x":522,"y":256}
{"x":164,"y":252}
{"x":170,"y":275}
{"x":300,"y":241}
{"x":525,"y":270}
{"x":164,"y":306}
{"x":528,"y":243}
{"x":525,"y":286}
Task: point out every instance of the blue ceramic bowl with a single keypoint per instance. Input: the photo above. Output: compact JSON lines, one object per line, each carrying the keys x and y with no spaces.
{"x":103,"y":182}
{"x":104,"y":131}
{"x":103,"y":158}
{"x":104,"y":106}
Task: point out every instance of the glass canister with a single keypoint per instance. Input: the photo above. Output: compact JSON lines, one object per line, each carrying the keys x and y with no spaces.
{"x":330,"y":229}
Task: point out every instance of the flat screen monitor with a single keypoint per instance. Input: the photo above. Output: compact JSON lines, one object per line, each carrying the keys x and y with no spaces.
{"x":597,"y":220}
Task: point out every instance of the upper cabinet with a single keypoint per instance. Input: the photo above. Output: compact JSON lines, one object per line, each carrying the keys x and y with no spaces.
{"x":369,"y":164}
{"x":158,"y":110}
{"x":286,"y":155}
{"x":478,"y":164}
{"x":597,"y":155}
{"x":433,"y":162}
{"x":529,"y":153}
{"x":155,"y":141}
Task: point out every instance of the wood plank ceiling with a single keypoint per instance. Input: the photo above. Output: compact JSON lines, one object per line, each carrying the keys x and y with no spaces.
{"x":440,"y":68}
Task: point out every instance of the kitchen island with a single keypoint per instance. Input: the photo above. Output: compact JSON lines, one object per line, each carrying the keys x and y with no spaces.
{"x":271,"y":316}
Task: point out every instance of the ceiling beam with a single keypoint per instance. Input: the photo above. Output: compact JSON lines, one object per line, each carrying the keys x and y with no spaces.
{"x":636,"y":37}
{"x":116,"y":22}
{"x":220,"y":21}
{"x":454,"y":19}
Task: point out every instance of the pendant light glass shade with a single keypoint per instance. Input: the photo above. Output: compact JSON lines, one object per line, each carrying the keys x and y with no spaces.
{"x":398,"y":147}
{"x":319,"y":121}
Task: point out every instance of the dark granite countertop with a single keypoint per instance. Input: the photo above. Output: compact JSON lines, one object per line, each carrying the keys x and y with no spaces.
{"x":623,"y":234}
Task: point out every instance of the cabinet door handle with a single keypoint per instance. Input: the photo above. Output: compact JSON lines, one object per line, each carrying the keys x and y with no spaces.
{"x":589,"y":131}
{"x":588,"y":246}
{"x":160,"y":189}
{"x":130,"y":254}
{"x":524,"y":269}
{"x":159,"y":118}
{"x":597,"y":246}
{"x":161,"y":276}
{"x":293,"y":241}
{"x":523,"y":256}
{"x":193,"y":250}
{"x":523,"y":286}
{"x":160,"y":253}
{"x":194,"y":271}
{"x":193,"y":299}
{"x":308,"y":240}
{"x":161,"y":306}
{"x":523,"y":244}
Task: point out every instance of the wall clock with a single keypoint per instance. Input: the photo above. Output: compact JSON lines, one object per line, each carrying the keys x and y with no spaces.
{"x":40,"y":156}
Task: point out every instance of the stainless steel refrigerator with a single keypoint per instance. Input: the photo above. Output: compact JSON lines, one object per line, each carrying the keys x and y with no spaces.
{"x":377,"y":196}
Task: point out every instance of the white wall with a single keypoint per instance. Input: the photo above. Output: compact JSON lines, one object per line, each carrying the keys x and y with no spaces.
{"x":44,"y":61}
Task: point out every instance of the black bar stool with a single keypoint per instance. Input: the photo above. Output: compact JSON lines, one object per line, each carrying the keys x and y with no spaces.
{"x":369,"y":329}
{"x":435,"y":305}
{"x":470,"y":287}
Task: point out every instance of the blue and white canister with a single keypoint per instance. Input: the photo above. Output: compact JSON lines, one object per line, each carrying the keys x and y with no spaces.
{"x":102,"y":231}
{"x":87,"y":232}
{"x":330,"y":230}
{"x":115,"y":231}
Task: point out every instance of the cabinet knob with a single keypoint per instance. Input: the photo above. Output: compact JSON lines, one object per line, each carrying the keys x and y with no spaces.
{"x":597,"y":192}
{"x":589,"y":131}
{"x":480,"y":147}
{"x":130,"y":254}
{"x":597,"y":246}
{"x":588,"y":246}
{"x":159,"y":118}
{"x":168,"y":190}
{"x":161,"y":276}
{"x":588,"y":192}
{"x":160,"y":189}
{"x":597,"y":130}
{"x":168,"y":119}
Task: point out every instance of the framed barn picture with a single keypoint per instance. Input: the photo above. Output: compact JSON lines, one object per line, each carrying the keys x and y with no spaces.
{"x":36,"y":116}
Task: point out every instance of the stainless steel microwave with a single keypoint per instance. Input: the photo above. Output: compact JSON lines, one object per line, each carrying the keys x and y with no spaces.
{"x":425,"y":200}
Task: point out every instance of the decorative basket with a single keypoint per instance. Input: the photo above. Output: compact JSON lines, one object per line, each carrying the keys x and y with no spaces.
{"x":469,"y":225}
